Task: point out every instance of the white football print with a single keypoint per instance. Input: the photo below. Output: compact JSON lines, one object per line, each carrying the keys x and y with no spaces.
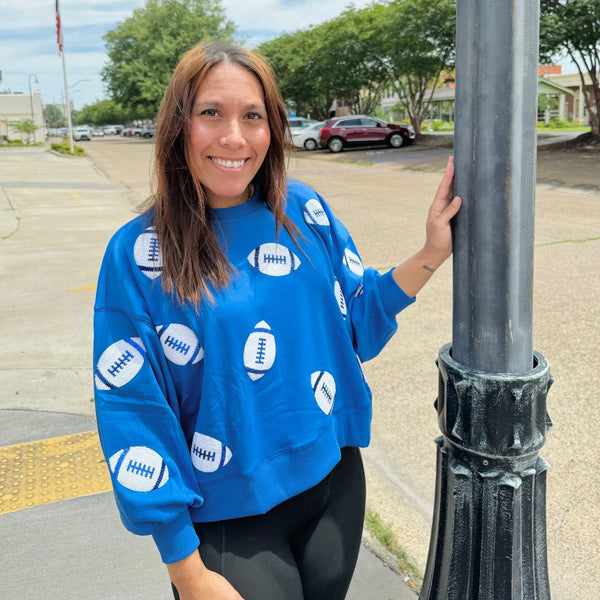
{"x":259,"y":351}
{"x":208,"y":454}
{"x":139,"y":468}
{"x":180,"y":344}
{"x":323,"y":385}
{"x":339,"y":296}
{"x":147,"y":254}
{"x":353,"y":262}
{"x":314,"y":213}
{"x":119,"y":364}
{"x":273,"y":259}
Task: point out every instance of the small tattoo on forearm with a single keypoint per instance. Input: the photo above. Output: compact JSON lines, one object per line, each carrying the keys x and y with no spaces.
{"x":427,"y":268}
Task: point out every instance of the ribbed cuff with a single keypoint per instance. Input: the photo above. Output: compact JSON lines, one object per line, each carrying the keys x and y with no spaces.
{"x":177,"y":539}
{"x":394,"y":298}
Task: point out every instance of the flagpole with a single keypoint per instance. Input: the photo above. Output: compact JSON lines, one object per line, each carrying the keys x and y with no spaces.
{"x":68,"y":106}
{"x":61,"y":51}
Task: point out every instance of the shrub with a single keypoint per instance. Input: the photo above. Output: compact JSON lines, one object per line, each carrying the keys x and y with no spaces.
{"x":559,"y":123}
{"x":63,"y":148}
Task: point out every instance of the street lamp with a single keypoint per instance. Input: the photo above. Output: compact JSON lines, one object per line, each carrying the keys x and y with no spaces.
{"x":488,"y":539}
{"x":31,"y":95}
{"x":72,"y":87}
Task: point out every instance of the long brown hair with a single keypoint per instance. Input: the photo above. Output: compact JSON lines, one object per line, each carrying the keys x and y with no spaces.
{"x":192,"y":257}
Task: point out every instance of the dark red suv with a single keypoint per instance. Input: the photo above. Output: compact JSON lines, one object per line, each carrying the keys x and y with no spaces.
{"x":361,"y":130}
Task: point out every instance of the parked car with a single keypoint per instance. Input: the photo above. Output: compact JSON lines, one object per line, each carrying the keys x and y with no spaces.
{"x":308,"y":137}
{"x":297,"y":123}
{"x":362,"y":130}
{"x":113,"y":129}
{"x":98,"y":132}
{"x":82,"y":132}
{"x":148,"y":132}
{"x":132,"y":131}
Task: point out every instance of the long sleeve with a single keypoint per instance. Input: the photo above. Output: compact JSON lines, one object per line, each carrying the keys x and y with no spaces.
{"x":368,"y":299}
{"x":137,"y":411}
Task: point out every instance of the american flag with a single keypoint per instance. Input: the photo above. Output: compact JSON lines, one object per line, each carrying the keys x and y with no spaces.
{"x":59,"y":37}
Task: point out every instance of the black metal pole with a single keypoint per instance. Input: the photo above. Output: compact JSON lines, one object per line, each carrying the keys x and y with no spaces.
{"x":488,"y":538}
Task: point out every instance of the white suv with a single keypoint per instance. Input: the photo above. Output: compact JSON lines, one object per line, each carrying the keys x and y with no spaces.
{"x":82,"y":132}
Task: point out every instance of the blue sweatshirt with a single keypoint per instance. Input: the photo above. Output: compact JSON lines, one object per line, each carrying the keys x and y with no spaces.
{"x":226,"y":410}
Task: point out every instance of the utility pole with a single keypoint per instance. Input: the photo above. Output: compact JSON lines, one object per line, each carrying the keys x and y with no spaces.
{"x":488,"y":539}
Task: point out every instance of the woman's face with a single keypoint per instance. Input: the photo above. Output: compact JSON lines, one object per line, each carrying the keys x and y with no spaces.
{"x":229,"y":134}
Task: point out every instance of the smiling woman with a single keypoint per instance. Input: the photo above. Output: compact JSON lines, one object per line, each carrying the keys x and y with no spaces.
{"x":231,"y":320}
{"x":229,"y":134}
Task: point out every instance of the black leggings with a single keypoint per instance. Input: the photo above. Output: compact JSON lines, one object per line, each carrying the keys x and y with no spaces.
{"x":303,"y":549}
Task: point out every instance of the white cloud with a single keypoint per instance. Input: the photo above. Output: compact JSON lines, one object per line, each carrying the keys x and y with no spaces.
{"x":28,"y":38}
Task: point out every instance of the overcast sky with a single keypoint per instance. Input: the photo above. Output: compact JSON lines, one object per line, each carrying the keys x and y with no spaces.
{"x":28,"y":38}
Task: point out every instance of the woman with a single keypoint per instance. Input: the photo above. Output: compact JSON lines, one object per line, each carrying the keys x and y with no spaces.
{"x":230,"y":322}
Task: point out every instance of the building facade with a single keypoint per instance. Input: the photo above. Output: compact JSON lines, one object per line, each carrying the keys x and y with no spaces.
{"x":15,"y":108}
{"x":567,"y":89}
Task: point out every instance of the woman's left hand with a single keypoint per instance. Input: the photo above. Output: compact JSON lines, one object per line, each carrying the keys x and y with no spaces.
{"x":445,"y":205}
{"x":415,"y":272}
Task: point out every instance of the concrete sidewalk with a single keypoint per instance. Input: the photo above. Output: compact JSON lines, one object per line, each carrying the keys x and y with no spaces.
{"x":80,"y":549}
{"x":56,"y":216}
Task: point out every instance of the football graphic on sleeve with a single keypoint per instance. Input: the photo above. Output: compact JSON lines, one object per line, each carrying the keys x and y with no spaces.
{"x":119,"y":364}
{"x":323,"y":385}
{"x":353,"y":262}
{"x":273,"y":259}
{"x":139,"y":469}
{"x":314,"y":213}
{"x":339,"y":296}
{"x":208,"y":454}
{"x":259,"y":351}
{"x":180,"y":344}
{"x":146,"y":253}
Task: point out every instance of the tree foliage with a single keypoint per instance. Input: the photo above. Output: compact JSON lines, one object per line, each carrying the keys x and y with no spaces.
{"x":53,"y":115}
{"x":414,"y":43}
{"x":406,"y":44}
{"x":571,"y":28}
{"x":144,"y":49}
{"x":26,"y":126}
{"x":104,"y":112}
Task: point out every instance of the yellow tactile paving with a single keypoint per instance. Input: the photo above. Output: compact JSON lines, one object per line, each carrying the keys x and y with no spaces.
{"x":50,"y":470}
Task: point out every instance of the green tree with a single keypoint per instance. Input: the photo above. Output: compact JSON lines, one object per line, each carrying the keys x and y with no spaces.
{"x":53,"y":115}
{"x":144,"y":49}
{"x":348,"y":57}
{"x":104,"y":112}
{"x":26,"y":126}
{"x":332,"y":61}
{"x":296,"y":66}
{"x":571,"y":28}
{"x":414,"y":43}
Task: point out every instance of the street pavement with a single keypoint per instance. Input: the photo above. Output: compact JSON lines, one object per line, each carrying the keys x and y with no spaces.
{"x":57,"y":216}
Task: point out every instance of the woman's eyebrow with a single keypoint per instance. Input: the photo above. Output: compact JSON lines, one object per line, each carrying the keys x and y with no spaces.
{"x":218,"y":104}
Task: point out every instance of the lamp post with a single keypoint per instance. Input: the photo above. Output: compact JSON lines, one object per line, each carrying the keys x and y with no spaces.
{"x":488,"y":538}
{"x":31,"y":95}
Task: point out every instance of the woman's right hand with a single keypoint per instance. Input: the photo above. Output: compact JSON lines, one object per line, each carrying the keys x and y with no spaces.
{"x":195,"y":582}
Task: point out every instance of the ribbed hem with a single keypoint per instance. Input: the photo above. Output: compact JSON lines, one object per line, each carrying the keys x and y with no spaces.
{"x":177,"y":539}
{"x":283,"y":476}
{"x":394,"y":298}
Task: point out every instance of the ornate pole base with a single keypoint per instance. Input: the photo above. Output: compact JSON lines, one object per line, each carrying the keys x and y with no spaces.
{"x":488,"y":538}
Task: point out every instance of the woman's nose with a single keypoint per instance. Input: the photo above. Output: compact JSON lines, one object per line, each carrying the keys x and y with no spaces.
{"x":233,"y":135}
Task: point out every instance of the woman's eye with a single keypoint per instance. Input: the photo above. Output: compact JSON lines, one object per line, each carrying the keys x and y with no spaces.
{"x":254,"y":115}
{"x":210,"y":112}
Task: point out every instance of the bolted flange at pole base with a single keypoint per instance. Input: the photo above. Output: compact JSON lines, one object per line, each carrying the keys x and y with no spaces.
{"x":488,"y":538}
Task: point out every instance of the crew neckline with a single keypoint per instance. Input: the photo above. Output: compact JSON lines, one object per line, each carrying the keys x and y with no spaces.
{"x":240,"y":210}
